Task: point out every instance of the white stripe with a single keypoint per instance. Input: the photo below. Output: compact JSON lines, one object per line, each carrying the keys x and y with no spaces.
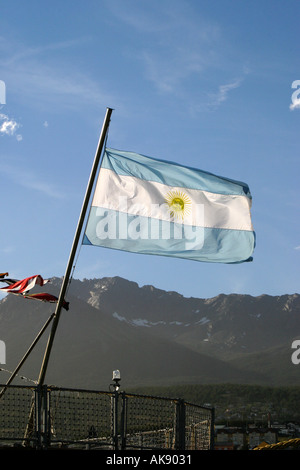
{"x":140,"y":197}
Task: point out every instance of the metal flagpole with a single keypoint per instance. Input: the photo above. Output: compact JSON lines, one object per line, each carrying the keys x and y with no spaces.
{"x":75,"y":244}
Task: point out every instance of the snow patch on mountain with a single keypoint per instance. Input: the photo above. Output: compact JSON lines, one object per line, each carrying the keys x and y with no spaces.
{"x":146,"y":323}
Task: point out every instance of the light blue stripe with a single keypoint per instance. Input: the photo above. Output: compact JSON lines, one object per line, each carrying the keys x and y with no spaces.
{"x":216,"y":245}
{"x":171,"y":174}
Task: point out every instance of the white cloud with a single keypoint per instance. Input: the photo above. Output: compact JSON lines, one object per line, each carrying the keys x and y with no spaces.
{"x":222,"y":94}
{"x":9,"y":126}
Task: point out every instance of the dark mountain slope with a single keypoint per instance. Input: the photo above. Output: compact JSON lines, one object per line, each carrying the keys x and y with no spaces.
{"x":153,"y":336}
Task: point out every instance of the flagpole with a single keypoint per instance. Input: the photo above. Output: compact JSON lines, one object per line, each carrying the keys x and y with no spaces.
{"x":75,"y":244}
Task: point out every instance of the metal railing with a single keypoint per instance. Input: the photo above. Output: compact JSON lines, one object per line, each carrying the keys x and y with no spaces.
{"x":46,"y":416}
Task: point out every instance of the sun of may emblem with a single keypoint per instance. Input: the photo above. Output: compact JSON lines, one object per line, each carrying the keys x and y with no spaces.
{"x":179,"y":204}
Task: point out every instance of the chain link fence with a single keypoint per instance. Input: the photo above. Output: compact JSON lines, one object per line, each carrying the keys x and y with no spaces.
{"x":48,"y":417}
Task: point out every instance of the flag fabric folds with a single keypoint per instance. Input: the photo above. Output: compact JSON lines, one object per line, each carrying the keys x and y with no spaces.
{"x":45,"y":297}
{"x":151,"y":206}
{"x":19,"y":287}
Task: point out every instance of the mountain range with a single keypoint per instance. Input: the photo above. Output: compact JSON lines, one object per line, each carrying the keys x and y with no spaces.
{"x":153,"y":337}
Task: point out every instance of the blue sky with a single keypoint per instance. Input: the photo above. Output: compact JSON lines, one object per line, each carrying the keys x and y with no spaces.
{"x":207,"y":84}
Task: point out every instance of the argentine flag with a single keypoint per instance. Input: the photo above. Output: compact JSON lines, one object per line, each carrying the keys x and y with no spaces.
{"x":155,"y":207}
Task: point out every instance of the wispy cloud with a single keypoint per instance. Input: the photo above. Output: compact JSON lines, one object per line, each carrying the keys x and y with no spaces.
{"x":7,"y":250}
{"x":30,"y":180}
{"x":185,"y":46}
{"x":45,"y":85}
{"x":25,"y":52}
{"x":169,"y":75}
{"x":42,"y":79}
{"x":218,"y":98}
{"x":182,"y":43}
{"x":211,"y":101}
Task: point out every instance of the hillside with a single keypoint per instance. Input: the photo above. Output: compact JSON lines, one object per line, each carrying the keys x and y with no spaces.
{"x":154,"y":337}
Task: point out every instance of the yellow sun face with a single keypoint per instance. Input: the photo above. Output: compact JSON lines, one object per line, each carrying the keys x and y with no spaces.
{"x":179,"y":204}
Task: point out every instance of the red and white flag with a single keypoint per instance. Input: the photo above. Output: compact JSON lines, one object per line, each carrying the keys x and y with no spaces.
{"x":44,"y":297}
{"x":19,"y":287}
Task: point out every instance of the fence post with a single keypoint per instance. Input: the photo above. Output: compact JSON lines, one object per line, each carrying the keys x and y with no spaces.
{"x":180,"y":425}
{"x":45,"y":416}
{"x":38,"y":399}
{"x":42,"y":416}
{"x":123,"y":421}
{"x":115,"y":399}
{"x":212,"y":429}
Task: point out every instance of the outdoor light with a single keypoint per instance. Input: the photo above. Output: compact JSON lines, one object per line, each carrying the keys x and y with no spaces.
{"x":116,"y":378}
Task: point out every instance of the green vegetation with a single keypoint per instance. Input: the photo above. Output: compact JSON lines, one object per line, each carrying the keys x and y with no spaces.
{"x":238,"y":403}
